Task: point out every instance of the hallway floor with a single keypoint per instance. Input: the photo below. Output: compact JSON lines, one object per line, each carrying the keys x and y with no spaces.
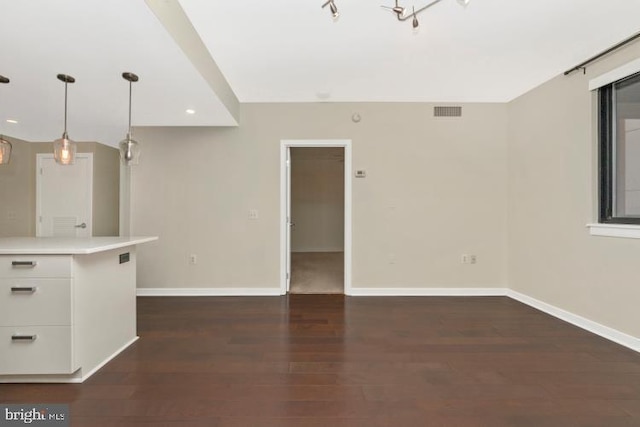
{"x":317,"y":273}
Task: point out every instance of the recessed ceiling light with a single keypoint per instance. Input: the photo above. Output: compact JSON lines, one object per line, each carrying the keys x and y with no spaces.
{"x":12,"y":121}
{"x":190,"y":111}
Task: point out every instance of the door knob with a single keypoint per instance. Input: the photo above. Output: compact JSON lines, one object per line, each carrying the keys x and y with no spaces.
{"x":83,"y":225}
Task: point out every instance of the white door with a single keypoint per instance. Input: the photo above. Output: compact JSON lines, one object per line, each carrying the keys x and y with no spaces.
{"x":64,"y":196}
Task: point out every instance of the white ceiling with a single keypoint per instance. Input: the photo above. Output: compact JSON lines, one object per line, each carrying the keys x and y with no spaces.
{"x":95,"y":41}
{"x":282,"y":51}
{"x":490,"y":51}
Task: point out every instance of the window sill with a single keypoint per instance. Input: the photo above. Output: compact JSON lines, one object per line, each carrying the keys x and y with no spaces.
{"x":629,"y":231}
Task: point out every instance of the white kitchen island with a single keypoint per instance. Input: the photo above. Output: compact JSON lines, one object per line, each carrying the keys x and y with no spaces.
{"x":67,"y":305}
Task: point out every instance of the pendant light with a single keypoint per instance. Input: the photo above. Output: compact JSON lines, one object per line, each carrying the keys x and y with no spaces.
{"x":64,"y":149}
{"x":5,"y":145}
{"x":129,"y":147}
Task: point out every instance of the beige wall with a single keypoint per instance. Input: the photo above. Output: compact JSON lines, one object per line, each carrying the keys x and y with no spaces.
{"x":317,"y":199}
{"x":16,"y":192}
{"x":435,"y":189}
{"x":553,"y":195}
{"x":106,"y":191}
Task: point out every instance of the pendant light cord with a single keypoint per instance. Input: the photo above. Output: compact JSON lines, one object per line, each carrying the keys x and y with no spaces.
{"x":65,"y":108}
{"x":130,"y":89}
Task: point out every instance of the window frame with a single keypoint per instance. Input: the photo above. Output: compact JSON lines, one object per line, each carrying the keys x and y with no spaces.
{"x":606,"y":154}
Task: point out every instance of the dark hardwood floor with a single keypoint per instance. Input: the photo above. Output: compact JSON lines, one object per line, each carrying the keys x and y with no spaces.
{"x":330,"y":360}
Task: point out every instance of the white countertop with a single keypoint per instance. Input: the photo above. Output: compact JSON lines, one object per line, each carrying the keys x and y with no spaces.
{"x":66,"y":245}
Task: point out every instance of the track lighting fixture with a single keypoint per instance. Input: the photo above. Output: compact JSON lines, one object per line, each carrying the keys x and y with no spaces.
{"x":129,"y":147}
{"x":400,"y":11}
{"x":5,"y":145}
{"x":64,"y":149}
{"x":401,"y":14}
{"x":332,"y":7}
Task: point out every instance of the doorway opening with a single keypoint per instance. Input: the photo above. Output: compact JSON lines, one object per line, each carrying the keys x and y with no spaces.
{"x":316,"y":216}
{"x":317,"y":220}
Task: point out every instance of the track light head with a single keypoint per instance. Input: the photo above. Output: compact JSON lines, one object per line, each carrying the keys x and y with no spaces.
{"x":4,"y":79}
{"x":414,"y":23}
{"x":399,"y":10}
{"x":333,"y":8}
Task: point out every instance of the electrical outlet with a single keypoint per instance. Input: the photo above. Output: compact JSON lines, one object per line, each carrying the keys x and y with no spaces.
{"x":468,"y":259}
{"x":193,"y":259}
{"x":253,"y":213}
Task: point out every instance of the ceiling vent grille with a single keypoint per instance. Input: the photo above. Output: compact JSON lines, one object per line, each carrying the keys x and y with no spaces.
{"x":447,"y":111}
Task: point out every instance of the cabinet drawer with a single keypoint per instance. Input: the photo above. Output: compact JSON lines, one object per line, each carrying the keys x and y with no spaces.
{"x":47,"y":266}
{"x":49,"y":353}
{"x":32,"y":302}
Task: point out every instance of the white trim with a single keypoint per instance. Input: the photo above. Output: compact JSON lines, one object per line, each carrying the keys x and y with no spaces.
{"x":429,"y":292}
{"x":629,"y":231}
{"x":614,"y":75}
{"x":285,"y":144}
{"x":206,"y":292}
{"x":604,"y":331}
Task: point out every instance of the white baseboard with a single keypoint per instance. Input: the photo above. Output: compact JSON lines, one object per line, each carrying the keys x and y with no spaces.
{"x":428,"y":292}
{"x":604,"y":331}
{"x":206,"y":292}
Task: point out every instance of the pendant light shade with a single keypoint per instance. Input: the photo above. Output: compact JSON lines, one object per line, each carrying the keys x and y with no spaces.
{"x":64,"y":149}
{"x":5,"y":151}
{"x":5,"y":145}
{"x":129,"y":147}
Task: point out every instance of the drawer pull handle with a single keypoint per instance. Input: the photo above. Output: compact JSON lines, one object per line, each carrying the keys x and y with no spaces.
{"x":30,"y":289}
{"x":23,"y":338}
{"x":24,"y":263}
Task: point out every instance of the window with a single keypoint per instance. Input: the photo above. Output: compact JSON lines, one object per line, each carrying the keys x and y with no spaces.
{"x":619,"y":134}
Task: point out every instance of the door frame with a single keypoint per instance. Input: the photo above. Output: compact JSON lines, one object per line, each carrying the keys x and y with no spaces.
{"x":285,"y":197}
{"x":39,"y":158}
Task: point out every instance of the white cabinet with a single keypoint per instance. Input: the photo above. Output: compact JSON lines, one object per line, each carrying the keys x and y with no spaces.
{"x":36,"y":299}
{"x":67,"y":306}
{"x":49,"y":352}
